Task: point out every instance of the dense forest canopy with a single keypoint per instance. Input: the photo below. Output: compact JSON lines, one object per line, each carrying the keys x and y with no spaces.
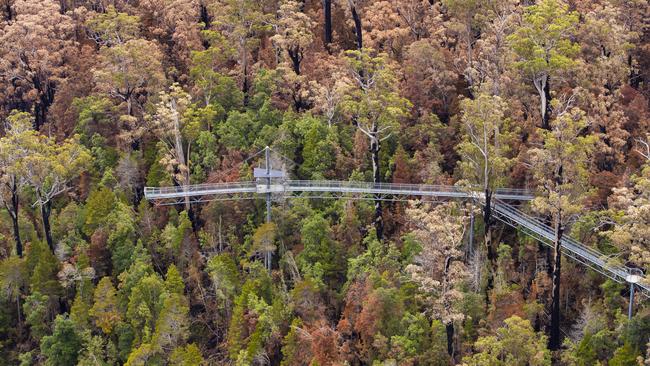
{"x":99,"y":99}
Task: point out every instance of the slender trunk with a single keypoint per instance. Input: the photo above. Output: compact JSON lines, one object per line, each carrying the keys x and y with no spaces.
{"x":376,"y":178}
{"x":43,"y":103}
{"x":129,"y":106}
{"x":470,"y":244}
{"x":295,"y":56}
{"x":449,"y":327}
{"x":327,"y":10}
{"x":46,"y":209}
{"x":244,"y":66}
{"x":542,"y":84}
{"x":470,"y":56}
{"x":357,"y":27}
{"x":554,"y":339}
{"x":19,"y":243}
{"x":547,"y":103}
{"x":13,"y":213}
{"x":487,"y":220}
{"x":20,"y":320}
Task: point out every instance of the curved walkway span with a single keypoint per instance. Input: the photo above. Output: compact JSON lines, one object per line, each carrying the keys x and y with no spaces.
{"x":506,"y":213}
{"x":322,"y":189}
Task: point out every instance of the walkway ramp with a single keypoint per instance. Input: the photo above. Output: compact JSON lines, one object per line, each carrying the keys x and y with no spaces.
{"x":579,"y":252}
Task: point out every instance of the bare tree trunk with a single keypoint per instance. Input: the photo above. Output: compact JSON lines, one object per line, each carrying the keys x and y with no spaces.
{"x":14,"y":218}
{"x":449,"y":327}
{"x":376,"y":178}
{"x":554,"y":338}
{"x":12,"y":209}
{"x":296,"y":58}
{"x":547,"y":104}
{"x":43,"y":103}
{"x":46,"y":210}
{"x":357,"y":27}
{"x":244,"y":66}
{"x":543,"y":86}
{"x":327,"y":12}
{"x":487,"y":220}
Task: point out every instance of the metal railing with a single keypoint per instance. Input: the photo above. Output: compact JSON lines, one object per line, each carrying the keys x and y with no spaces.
{"x":400,"y":189}
{"x":508,"y":214}
{"x":351,"y":187}
{"x":572,"y":248}
{"x":153,"y":193}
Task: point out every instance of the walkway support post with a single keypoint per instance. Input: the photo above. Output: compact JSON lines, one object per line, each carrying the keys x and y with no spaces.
{"x":633,"y":278}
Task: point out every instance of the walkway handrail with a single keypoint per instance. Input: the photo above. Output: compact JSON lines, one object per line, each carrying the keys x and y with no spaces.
{"x":505,"y":212}
{"x":570,"y":246}
{"x":333,"y":186}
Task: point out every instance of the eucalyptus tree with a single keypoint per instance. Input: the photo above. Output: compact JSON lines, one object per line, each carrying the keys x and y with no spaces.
{"x":561,"y":168}
{"x":374,"y":105}
{"x":544,"y":46}
{"x":485,"y":154}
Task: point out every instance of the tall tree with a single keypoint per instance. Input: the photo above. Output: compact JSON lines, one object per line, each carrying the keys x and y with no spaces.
{"x":49,"y":167}
{"x":327,"y":22}
{"x":375,"y":107}
{"x":209,"y":72}
{"x":354,"y":7}
{"x":484,"y":151}
{"x":516,"y":344}
{"x":293,"y":32}
{"x":493,"y":55}
{"x":439,"y":269}
{"x":125,"y":71}
{"x":464,"y":21}
{"x":18,"y":130}
{"x":63,"y":346}
{"x":545,"y":48}
{"x":561,"y":168}
{"x":242,"y":22}
{"x":105,"y":310}
{"x":176,"y":131}
{"x":632,"y":205}
{"x":112,"y":27}
{"x":264,"y":242}
{"x":35,"y":57}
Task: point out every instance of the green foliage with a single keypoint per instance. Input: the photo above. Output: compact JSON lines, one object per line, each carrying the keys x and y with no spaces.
{"x":439,"y":343}
{"x":514,"y":344}
{"x":561,"y":166}
{"x":217,"y":89}
{"x":99,"y":205}
{"x":37,"y":311}
{"x":105,"y":310}
{"x":173,"y":281}
{"x":14,"y":278}
{"x":44,"y":267}
{"x":319,"y":249}
{"x":486,"y":141}
{"x":122,"y":234}
{"x":238,"y":131}
{"x":63,"y":346}
{"x":543,"y":42}
{"x":111,"y":28}
{"x":319,"y":150}
{"x":189,"y":355}
{"x":145,"y":302}
{"x":256,"y":301}
{"x":624,"y":356}
{"x":225,"y":278}
{"x":174,"y":235}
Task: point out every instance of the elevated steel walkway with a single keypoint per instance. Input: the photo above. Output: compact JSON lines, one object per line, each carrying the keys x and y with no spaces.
{"x":320,"y":189}
{"x":573,"y":249}
{"x":504,"y":212}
